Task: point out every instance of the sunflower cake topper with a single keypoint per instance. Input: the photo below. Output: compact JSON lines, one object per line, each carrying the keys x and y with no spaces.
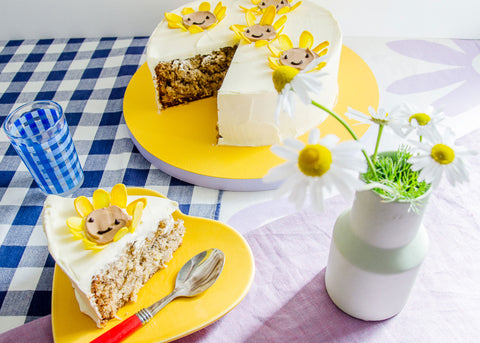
{"x":298,"y":57}
{"x":107,"y":220}
{"x":197,"y":21}
{"x":282,"y":6}
{"x":262,"y":33}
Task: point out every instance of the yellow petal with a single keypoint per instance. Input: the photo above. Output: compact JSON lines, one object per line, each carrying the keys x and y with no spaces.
{"x":220,"y":13}
{"x":218,"y":7}
{"x":76,"y":234}
{"x":122,"y":232}
{"x":322,"y":53}
{"x":92,"y":246}
{"x":321,"y":46}
{"x":237,"y":28}
{"x":250,"y":18}
{"x":137,"y":216}
{"x":119,"y":195}
{"x":306,"y":40}
{"x":279,"y":23}
{"x":275,"y":52}
{"x":272,"y":62}
{"x":284,"y":10}
{"x":101,"y":199}
{"x":173,"y":18}
{"x":187,"y":10}
{"x":133,"y":204}
{"x":195,"y":29}
{"x":204,"y":6}
{"x":76,"y":223}
{"x":285,"y":42}
{"x":83,"y":206}
{"x":268,"y":16}
{"x":295,"y":6}
{"x":319,"y":66}
{"x":256,"y":2}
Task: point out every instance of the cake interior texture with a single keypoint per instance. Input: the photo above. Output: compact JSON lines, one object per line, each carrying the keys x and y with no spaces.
{"x":119,"y":282}
{"x":180,"y":81}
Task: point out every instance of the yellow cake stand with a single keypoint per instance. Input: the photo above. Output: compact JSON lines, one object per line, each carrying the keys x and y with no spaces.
{"x":181,"y":141}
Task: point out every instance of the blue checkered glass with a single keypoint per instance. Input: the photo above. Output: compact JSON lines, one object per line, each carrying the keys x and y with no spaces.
{"x":39,"y":133}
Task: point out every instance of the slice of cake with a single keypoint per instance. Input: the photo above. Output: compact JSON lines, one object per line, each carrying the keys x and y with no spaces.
{"x":188,"y":60}
{"x":110,"y":245}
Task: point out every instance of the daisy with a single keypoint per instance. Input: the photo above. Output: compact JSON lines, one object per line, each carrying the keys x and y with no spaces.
{"x":412,"y":118}
{"x":437,"y":156}
{"x":289,"y":80}
{"x":380,"y":117}
{"x":316,"y":168}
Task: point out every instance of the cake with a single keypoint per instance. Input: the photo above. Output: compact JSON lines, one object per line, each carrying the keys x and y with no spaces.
{"x":190,"y":62}
{"x":110,"y":245}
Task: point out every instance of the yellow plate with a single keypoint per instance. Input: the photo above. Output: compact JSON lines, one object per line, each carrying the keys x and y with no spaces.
{"x":181,"y":140}
{"x":184,"y":315}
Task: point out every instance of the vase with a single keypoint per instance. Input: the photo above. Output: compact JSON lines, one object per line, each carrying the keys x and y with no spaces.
{"x":376,"y":252}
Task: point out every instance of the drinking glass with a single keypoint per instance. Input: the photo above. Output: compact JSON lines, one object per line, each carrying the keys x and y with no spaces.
{"x":39,"y":133}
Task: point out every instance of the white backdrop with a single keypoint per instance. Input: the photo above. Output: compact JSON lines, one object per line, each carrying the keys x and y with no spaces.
{"x":21,"y":19}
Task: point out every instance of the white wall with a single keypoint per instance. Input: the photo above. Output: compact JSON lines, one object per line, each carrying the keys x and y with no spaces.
{"x":20,"y":19}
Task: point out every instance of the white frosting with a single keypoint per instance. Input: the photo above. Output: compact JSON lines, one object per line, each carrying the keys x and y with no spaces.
{"x":247,"y":99}
{"x":81,"y":264}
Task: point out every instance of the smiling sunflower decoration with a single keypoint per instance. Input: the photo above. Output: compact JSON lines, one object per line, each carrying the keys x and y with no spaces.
{"x":262,"y":33}
{"x":282,"y":6}
{"x":197,"y":21}
{"x":107,"y":220}
{"x":298,"y":57}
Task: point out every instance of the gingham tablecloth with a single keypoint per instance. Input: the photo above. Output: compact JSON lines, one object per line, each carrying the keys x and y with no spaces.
{"x":88,"y":78}
{"x":287,"y":301}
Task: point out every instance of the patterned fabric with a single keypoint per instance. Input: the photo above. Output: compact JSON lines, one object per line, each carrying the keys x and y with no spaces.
{"x":88,"y":78}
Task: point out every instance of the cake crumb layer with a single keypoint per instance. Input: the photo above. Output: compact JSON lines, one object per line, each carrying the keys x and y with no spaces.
{"x":182,"y":81}
{"x":121,"y":280}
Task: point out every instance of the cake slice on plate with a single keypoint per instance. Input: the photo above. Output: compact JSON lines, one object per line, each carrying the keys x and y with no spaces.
{"x":110,"y":245}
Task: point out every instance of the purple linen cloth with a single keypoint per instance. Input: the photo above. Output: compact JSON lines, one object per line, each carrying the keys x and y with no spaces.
{"x":36,"y":331}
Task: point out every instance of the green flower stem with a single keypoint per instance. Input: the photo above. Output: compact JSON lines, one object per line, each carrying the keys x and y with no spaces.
{"x":377,"y":144}
{"x":349,"y":129}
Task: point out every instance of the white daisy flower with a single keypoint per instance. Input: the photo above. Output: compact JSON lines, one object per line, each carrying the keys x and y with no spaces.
{"x":437,"y":156}
{"x":411,"y":118}
{"x":380,"y":117}
{"x":290,"y":81}
{"x":313,"y":170}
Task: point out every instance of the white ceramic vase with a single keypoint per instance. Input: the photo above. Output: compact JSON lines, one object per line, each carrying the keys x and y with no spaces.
{"x":375,"y":255}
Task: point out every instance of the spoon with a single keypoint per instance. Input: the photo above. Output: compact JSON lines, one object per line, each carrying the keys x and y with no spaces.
{"x":196,"y":276}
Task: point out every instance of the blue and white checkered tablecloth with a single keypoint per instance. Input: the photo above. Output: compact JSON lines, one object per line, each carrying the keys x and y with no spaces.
{"x":88,"y":78}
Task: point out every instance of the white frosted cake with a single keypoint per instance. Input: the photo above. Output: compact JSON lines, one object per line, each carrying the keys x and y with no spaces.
{"x":109,"y":246}
{"x":189,"y":62}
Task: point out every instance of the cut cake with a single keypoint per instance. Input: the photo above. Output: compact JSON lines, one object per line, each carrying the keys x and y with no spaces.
{"x":189,"y":64}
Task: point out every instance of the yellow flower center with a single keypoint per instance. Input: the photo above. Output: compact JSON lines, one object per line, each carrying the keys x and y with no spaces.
{"x":314,"y":160}
{"x":421,"y":118}
{"x":283,"y":75}
{"x":443,"y":154}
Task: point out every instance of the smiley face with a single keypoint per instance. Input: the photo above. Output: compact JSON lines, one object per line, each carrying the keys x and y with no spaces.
{"x":102,"y":224}
{"x":277,"y":3}
{"x":203,"y":19}
{"x":257,"y":32}
{"x":297,"y":57}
